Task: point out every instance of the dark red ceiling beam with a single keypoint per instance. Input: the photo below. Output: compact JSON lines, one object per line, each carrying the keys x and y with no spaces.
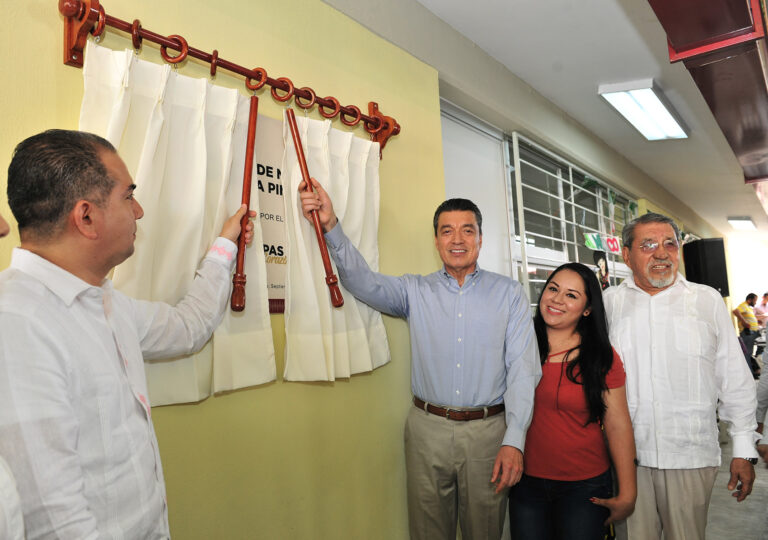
{"x":722,"y":44}
{"x":696,"y":27}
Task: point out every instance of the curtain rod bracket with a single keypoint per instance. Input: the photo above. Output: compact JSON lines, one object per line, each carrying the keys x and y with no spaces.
{"x":387,"y":127}
{"x":79,"y":18}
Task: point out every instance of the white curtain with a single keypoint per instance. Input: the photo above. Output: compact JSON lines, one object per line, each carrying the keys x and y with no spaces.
{"x":183,"y":140}
{"x":323,"y":342}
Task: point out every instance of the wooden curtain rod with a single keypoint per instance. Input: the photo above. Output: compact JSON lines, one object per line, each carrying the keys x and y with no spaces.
{"x":82,"y":17}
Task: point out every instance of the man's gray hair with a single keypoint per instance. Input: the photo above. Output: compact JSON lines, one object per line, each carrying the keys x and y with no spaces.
{"x":628,"y":233}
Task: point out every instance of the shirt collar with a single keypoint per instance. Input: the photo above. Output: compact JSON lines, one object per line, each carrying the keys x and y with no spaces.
{"x":680,"y":281}
{"x":469,"y":277}
{"x":63,"y":284}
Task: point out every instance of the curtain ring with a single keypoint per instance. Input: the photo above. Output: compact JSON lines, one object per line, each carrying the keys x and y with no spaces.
{"x":336,"y":107}
{"x":262,"y":74}
{"x":214,"y":62}
{"x":286,"y":96}
{"x":312,"y":98}
{"x":98,"y":29}
{"x":136,"y":34}
{"x":355,"y":120}
{"x":182,"y":45}
{"x":376,"y":129}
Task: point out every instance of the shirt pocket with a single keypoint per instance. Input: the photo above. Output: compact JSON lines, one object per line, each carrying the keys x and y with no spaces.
{"x":692,"y":368}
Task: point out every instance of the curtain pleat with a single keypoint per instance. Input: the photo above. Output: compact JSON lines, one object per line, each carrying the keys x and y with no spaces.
{"x":181,"y":139}
{"x":323,"y":342}
{"x":243,"y":350}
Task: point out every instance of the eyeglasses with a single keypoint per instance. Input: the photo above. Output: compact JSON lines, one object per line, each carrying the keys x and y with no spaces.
{"x":649,"y":247}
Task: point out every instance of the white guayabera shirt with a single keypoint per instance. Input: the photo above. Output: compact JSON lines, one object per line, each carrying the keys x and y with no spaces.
{"x":75,"y":420}
{"x":681,"y":356}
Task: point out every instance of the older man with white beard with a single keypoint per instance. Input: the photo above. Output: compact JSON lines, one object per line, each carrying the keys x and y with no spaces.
{"x":684,"y":367}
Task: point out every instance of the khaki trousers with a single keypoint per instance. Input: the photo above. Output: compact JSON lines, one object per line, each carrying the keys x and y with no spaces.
{"x":674,"y":501}
{"x":449,"y":466}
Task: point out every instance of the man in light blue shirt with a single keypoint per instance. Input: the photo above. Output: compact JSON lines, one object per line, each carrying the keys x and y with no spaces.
{"x":473,"y":355}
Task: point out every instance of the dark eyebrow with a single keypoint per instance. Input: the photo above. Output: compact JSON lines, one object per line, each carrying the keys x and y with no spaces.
{"x":670,"y":237}
{"x":472,"y":226}
{"x":551,"y":281}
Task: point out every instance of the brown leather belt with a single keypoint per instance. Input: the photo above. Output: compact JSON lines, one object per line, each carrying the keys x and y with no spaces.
{"x":458,"y":414}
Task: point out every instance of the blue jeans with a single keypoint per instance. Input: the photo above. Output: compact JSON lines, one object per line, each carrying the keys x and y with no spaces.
{"x":541,"y":509}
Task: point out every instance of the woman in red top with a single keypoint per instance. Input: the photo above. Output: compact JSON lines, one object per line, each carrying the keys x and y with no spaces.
{"x":565,"y":492}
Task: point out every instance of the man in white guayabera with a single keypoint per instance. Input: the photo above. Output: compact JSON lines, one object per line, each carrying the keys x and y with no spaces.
{"x":75,"y":419}
{"x":684,"y":367}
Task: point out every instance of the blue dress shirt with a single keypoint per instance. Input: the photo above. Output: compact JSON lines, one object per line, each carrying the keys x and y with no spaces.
{"x":471,"y":346}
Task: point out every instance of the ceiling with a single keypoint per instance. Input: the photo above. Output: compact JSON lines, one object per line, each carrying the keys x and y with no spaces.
{"x":566,"y":48}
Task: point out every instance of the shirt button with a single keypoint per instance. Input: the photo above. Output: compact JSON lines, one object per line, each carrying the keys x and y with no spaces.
{"x":459,"y":340}
{"x":458,"y":365}
{"x":458,"y":392}
{"x":461,"y":292}
{"x":459,"y":315}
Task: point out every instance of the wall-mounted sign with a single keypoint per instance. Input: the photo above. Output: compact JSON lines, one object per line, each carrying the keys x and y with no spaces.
{"x":268,"y":187}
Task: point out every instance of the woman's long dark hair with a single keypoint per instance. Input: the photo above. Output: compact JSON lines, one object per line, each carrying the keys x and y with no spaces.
{"x":594,"y":354}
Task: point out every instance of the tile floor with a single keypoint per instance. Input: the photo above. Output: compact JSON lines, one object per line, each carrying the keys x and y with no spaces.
{"x":729,"y":520}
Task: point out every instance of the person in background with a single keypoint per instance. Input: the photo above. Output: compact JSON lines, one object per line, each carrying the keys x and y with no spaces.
{"x":761,"y":311}
{"x":761,"y":314}
{"x":75,"y":419}
{"x":11,"y":519}
{"x":566,"y":490}
{"x":473,"y":356}
{"x":748,"y":330}
{"x":684,"y":367}
{"x":760,"y":414}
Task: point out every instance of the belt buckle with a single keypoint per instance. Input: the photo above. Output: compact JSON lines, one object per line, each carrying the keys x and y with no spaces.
{"x":459,"y":415}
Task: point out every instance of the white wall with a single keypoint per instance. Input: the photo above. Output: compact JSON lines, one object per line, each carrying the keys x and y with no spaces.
{"x":475,"y":169}
{"x":747,"y":266}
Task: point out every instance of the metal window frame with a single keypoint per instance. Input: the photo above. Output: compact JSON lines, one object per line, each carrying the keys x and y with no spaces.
{"x":521,"y":256}
{"x":568,"y":224}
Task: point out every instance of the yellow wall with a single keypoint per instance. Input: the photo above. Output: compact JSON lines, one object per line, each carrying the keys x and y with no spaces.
{"x":286,"y":460}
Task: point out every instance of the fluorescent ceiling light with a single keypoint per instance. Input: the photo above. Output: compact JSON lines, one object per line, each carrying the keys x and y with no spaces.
{"x":743,"y":223}
{"x":645,"y":107}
